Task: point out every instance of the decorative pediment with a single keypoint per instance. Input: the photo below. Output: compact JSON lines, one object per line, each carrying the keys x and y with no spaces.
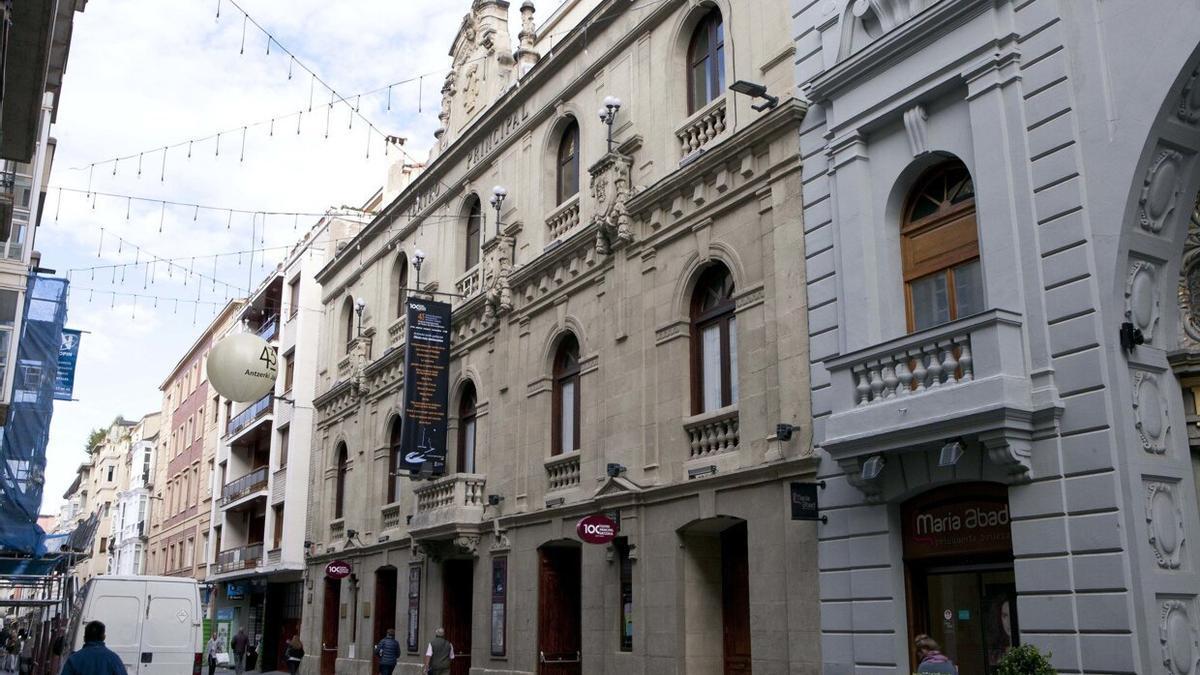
{"x":864,"y":21}
{"x":611,"y":188}
{"x":482,"y":67}
{"x":617,"y":485}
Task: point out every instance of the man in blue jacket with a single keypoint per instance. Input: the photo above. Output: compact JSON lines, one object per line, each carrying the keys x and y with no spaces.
{"x":388,"y":651}
{"x":94,"y":658}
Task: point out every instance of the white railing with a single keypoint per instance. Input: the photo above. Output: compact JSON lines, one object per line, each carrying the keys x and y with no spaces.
{"x":702,"y":127}
{"x":712,"y":433}
{"x":941,"y":361}
{"x":396,"y":331}
{"x":562,"y":472}
{"x":391,"y":515}
{"x":460,"y":489}
{"x":337,"y":528}
{"x":563,"y":218}
{"x":343,"y":367}
{"x":469,"y":283}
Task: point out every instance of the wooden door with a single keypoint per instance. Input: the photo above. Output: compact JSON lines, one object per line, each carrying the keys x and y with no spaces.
{"x":735,"y":599}
{"x":385,"y":608}
{"x":457,"y":595}
{"x":329,"y":626}
{"x":559,"y":624}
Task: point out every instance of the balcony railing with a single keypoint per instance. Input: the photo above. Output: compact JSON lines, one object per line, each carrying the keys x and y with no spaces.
{"x":391,"y":516}
{"x":702,"y":127}
{"x":269,"y":328}
{"x":248,"y":416}
{"x":563,"y":218}
{"x":448,"y":503}
{"x":396,"y":331}
{"x":712,"y":433}
{"x":469,"y":283}
{"x":252,"y":482}
{"x":562,"y":472}
{"x":237,"y":559}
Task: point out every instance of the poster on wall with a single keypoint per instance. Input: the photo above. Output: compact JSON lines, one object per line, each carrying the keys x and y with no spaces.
{"x":414,"y":608}
{"x":499,"y":603}
{"x":426,"y":387}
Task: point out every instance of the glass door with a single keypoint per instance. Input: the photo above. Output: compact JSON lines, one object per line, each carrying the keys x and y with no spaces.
{"x":971,"y":612}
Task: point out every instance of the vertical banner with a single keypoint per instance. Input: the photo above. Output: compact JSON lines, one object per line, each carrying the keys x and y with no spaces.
{"x":68,"y":353}
{"x":426,"y":387}
{"x":414,"y":608}
{"x":499,"y":604}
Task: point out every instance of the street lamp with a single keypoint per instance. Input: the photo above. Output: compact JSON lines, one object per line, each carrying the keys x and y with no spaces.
{"x":359,"y":305}
{"x":498,"y":195}
{"x":754,"y":90}
{"x":418,"y":257}
{"x":608,"y":115}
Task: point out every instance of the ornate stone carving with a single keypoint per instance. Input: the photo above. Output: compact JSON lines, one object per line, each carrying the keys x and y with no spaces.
{"x":1164,"y":524}
{"x":1141,"y":297}
{"x":915,"y":127}
{"x":1150,"y":413}
{"x":527,"y":57}
{"x":497,"y":260}
{"x":1160,"y":191}
{"x":482,"y":67}
{"x":1178,"y":638}
{"x":1189,"y":99}
{"x":611,"y":190}
{"x":1189,"y":283}
{"x":1010,"y":452}
{"x":872,"y":490}
{"x":866,"y":20}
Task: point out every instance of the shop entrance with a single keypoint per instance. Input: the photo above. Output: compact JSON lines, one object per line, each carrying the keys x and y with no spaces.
{"x":329,"y":625}
{"x":458,"y":582}
{"x":560,"y":636}
{"x":385,"y":608}
{"x":958,"y":561}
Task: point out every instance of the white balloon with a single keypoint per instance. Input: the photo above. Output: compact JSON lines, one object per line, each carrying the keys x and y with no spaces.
{"x":242,"y":367}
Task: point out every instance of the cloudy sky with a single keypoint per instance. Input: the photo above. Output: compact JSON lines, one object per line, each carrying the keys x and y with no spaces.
{"x":143,"y":75}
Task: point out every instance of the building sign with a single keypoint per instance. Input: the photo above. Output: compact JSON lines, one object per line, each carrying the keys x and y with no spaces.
{"x":225,"y":614}
{"x":338,"y":569}
{"x":414,"y":608}
{"x":426,"y":387}
{"x":68,"y":353}
{"x":499,"y":603}
{"x":424,"y":200}
{"x":804,"y":502}
{"x":971,"y":519}
{"x":596,"y":529}
{"x":496,"y":136}
{"x":235,"y":591}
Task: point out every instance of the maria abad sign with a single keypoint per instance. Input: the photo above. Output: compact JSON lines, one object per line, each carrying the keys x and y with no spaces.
{"x":963,"y":522}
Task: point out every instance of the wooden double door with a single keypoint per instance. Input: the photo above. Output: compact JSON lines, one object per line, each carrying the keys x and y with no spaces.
{"x":329,"y":626}
{"x":458,"y":582}
{"x":735,"y":600}
{"x":559,"y":603}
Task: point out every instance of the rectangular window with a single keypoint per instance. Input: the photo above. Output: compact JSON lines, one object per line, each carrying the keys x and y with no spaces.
{"x":289,"y":366}
{"x":968,"y":289}
{"x":710,"y":361}
{"x":930,"y":301}
{"x":499,"y":604}
{"x":284,"y":438}
{"x":733,"y":361}
{"x":103,"y":544}
{"x":567,"y":439}
{"x":216,"y":409}
{"x":414,"y":608}
{"x":468,"y":432}
{"x":293,"y":298}
{"x":278,"y":541}
{"x":204,"y":552}
{"x":626,"y":572}
{"x":189,"y":552}
{"x":110,"y":473}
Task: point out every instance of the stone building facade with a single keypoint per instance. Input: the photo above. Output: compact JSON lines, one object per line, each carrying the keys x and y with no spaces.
{"x":1000,"y":281}
{"x":185,"y":459}
{"x":102,"y":478}
{"x":627,"y":336}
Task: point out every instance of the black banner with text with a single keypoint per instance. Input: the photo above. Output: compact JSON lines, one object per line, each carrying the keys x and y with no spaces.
{"x":426,"y":386}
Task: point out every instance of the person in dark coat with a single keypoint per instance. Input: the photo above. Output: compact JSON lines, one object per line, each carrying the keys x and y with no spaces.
{"x":240,"y":643}
{"x":388,"y":651}
{"x":94,"y":658}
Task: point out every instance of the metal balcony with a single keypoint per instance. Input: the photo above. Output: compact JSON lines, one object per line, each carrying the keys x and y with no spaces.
{"x":269,"y":328}
{"x":256,"y":411}
{"x":238,"y":559}
{"x":255,"y":481}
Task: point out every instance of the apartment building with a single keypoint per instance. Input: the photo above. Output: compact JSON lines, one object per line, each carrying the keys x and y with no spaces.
{"x":130,"y":529}
{"x":101,"y":480}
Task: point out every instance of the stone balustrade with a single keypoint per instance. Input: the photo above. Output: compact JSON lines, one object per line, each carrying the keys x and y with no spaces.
{"x":702,"y":127}
{"x":941,"y":361}
{"x":390,"y":516}
{"x":460,"y":489}
{"x":396,"y":331}
{"x":343,"y":367}
{"x":563,"y":218}
{"x":712,"y":433}
{"x":562,"y":471}
{"x":468,"y":284}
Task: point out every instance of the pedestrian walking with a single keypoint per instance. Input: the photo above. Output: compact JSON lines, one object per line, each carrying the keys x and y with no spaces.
{"x":388,"y":651}
{"x":295,"y":654}
{"x":56,"y":650}
{"x":930,"y":659}
{"x":214,"y":648}
{"x":240,"y":642}
{"x":26,"y":663}
{"x":94,"y":658}
{"x":12,"y":647}
{"x":439,"y":654}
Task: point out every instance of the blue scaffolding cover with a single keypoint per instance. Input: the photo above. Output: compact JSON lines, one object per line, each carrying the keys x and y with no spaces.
{"x":27,"y":431}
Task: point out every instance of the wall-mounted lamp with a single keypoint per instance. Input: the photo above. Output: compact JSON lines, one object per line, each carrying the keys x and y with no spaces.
{"x":873,"y":467}
{"x":1131,"y":337}
{"x":494,"y":500}
{"x":418,"y":257}
{"x":608,"y":115}
{"x":614,"y":469}
{"x":498,"y":195}
{"x":784,"y":431}
{"x":951,"y":452}
{"x":756,"y":91}
{"x":359,"y":305}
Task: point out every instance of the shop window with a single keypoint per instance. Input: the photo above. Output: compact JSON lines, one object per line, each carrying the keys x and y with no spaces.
{"x":706,"y":62}
{"x":566,"y":397}
{"x":466,"y":429}
{"x":394,"y":461}
{"x":714,"y":341}
{"x":474,"y":229}
{"x":339,"y":488}
{"x":943,"y":280}
{"x":568,"y":163}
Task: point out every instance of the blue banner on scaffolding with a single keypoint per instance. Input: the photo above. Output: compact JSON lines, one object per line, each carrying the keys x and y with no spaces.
{"x":68,"y":354}
{"x":27,"y":430}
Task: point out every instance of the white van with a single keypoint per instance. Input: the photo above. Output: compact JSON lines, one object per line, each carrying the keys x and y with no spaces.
{"x":153,"y":623}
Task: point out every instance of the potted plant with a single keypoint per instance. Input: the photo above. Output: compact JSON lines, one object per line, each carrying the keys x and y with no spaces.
{"x":1025,"y":660}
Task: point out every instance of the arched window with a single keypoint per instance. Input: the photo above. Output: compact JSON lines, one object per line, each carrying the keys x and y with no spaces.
{"x":348,"y":322}
{"x":339,"y":487}
{"x":466,"y":430}
{"x":706,"y":62}
{"x":474,"y":228}
{"x":939,"y":244}
{"x":714,"y":341}
{"x":568,"y":163}
{"x":400,"y":284}
{"x":393,"y":479}
{"x":566,"y":397}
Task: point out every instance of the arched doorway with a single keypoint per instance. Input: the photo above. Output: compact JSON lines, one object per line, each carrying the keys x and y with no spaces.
{"x":560,"y":622}
{"x":716,"y":582}
{"x":958,"y":561}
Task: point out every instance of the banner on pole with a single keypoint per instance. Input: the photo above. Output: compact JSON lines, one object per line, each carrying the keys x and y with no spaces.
{"x":426,"y":387}
{"x":68,"y":354}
